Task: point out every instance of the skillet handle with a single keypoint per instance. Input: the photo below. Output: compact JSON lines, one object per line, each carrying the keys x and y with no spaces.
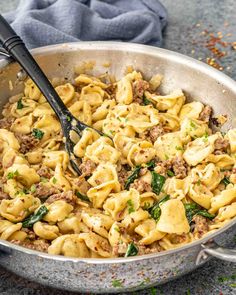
{"x":13,"y":44}
{"x":213,"y":249}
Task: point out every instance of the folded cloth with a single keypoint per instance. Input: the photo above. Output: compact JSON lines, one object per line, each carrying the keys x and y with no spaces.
{"x":44,"y":22}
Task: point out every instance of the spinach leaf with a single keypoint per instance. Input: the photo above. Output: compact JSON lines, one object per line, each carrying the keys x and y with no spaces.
{"x":155,"y":210}
{"x":134,"y":175}
{"x":157,"y":182}
{"x":132,"y":250}
{"x":37,"y":133}
{"x":225,"y":181}
{"x":192,"y":209}
{"x":82,"y":197}
{"x":32,"y":219}
{"x":151,"y":165}
{"x":19,"y":105}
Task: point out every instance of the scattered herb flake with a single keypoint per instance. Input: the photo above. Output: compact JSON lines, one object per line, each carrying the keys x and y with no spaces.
{"x":37,"y":133}
{"x":166,"y":157}
{"x":31,"y":220}
{"x":157,"y":182}
{"x":153,"y":291}
{"x":33,"y":188}
{"x":117,"y":283}
{"x":132,"y":250}
{"x":179,"y":148}
{"x":19,"y":104}
{"x":193,"y":125}
{"x":130,"y":206}
{"x":54,"y":180}
{"x":12,"y":175}
{"x":68,"y":118}
{"x":147,"y":101}
{"x":170,"y":173}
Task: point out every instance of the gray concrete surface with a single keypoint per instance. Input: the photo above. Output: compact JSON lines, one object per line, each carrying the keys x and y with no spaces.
{"x":187,"y":20}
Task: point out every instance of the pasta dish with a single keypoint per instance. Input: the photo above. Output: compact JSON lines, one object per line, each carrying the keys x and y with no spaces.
{"x":162,"y":175}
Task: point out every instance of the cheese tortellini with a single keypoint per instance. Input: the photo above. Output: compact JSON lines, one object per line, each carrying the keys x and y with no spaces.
{"x":155,"y":177}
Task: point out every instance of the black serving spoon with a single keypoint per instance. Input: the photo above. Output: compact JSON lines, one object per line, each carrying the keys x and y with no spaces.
{"x":13,"y":44}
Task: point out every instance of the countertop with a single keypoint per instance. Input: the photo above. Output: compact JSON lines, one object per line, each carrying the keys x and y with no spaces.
{"x":193,"y":25}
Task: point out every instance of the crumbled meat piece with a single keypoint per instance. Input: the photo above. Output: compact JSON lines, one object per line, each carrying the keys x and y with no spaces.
{"x":111,"y":90}
{"x":179,"y":167}
{"x":153,"y":248}
{"x":154,"y":132}
{"x":87,"y":167}
{"x":38,"y":245}
{"x":221,"y":145}
{"x":200,"y":226}
{"x":3,"y":196}
{"x":68,"y":197}
{"x":139,"y":87}
{"x":83,"y":185}
{"x":162,"y":167}
{"x":44,"y":172}
{"x":178,"y":239}
{"x":30,"y":233}
{"x":43,"y":190}
{"x":141,"y":186}
{"x":122,"y":176}
{"x":206,"y":113}
{"x":27,"y":142}
{"x":6,"y":123}
{"x":119,"y":249}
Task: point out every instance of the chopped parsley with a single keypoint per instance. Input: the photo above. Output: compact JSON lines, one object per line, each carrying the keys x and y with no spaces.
{"x":12,"y":175}
{"x":82,"y":197}
{"x":130,"y":206}
{"x":33,"y":188}
{"x":132,"y":250}
{"x":54,"y":180}
{"x":155,"y":210}
{"x":193,"y":125}
{"x":68,"y":118}
{"x":179,"y":148}
{"x":117,"y":283}
{"x":192,"y":209}
{"x":225,"y":181}
{"x":134,"y":175}
{"x":147,"y":101}
{"x":32,"y":219}
{"x":170,"y":173}
{"x":19,"y":104}
{"x":157,"y":182}
{"x":37,"y":133}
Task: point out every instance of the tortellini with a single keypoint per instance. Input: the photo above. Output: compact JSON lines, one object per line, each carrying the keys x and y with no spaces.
{"x":154,"y":174}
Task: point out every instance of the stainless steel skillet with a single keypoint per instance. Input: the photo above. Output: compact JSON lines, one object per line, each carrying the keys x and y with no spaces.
{"x":200,"y":82}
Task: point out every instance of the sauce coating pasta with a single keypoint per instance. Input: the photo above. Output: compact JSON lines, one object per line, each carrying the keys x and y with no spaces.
{"x":161,"y":178}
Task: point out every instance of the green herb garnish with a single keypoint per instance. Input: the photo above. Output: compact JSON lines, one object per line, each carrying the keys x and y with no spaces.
{"x":132,"y":250}
{"x":37,"y":133}
{"x":179,"y":148}
{"x":82,"y":197}
{"x":225,"y":181}
{"x":54,"y":180}
{"x":157,"y":182}
{"x":192,"y":209}
{"x":147,"y":101}
{"x":68,"y":118}
{"x":19,"y":104}
{"x":134,"y":175}
{"x":117,"y":283}
{"x":31,"y":220}
{"x":12,"y":175}
{"x":130,"y":206}
{"x":170,"y":173}
{"x":155,"y":211}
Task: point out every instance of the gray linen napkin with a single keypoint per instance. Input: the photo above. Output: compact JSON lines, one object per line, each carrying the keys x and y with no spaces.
{"x":44,"y":22}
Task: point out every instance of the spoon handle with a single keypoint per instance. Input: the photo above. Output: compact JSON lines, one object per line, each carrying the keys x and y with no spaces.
{"x":16,"y":47}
